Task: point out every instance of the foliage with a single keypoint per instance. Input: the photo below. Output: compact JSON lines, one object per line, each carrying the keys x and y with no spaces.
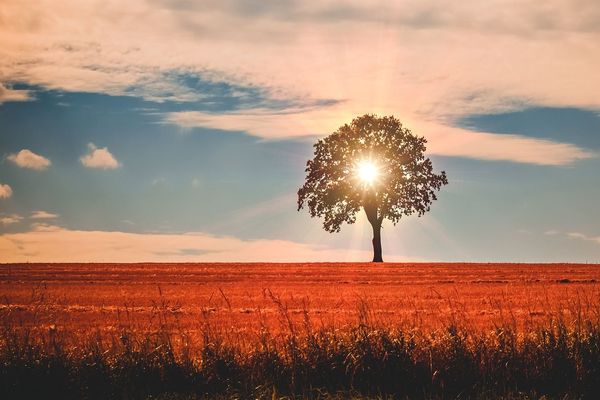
{"x":406,"y":183}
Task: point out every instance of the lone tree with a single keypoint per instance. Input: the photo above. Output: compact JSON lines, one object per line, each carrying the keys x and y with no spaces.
{"x":374,"y":163}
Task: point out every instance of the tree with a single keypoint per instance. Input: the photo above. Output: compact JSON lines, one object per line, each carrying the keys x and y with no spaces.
{"x":374,"y":163}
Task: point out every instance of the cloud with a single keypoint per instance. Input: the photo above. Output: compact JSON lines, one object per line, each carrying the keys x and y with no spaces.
{"x":5,"y":191}
{"x":581,"y":236}
{"x":44,"y":227}
{"x":416,"y":14}
{"x":262,"y":122}
{"x":9,"y":219}
{"x":28,"y":159}
{"x":574,"y":235}
{"x":7,"y":94}
{"x":43,"y":215}
{"x":99,"y":158}
{"x":487,"y":146}
{"x":425,"y":63}
{"x":48,"y":243}
{"x":443,"y":140}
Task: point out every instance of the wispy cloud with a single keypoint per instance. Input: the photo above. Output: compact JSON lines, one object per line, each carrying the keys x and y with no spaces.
{"x":487,"y":146}
{"x":584,"y":237}
{"x":28,"y":159}
{"x":262,"y":122}
{"x":51,"y":243}
{"x":9,"y":219}
{"x":581,"y":236}
{"x":7,"y":94}
{"x":43,"y":215}
{"x":5,"y":191}
{"x":443,"y":139}
{"x":99,"y":158}
{"x":573,"y":235}
{"x":44,"y":227}
{"x":418,"y":14}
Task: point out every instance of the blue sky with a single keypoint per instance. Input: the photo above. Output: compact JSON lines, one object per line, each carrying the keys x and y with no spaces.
{"x":146,"y":149}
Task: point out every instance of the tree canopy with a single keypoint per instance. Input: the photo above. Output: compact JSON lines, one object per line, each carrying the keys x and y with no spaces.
{"x":405,"y":182}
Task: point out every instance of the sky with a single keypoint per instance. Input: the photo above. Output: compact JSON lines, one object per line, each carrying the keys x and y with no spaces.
{"x":178,"y":130}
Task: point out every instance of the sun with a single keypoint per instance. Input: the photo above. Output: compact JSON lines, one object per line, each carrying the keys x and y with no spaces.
{"x":367,"y":172}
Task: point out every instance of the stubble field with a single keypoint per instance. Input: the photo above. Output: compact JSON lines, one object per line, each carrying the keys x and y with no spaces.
{"x":190,"y":331}
{"x":242,"y":297}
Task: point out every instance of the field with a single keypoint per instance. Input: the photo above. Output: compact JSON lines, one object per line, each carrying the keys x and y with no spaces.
{"x":73,"y":311}
{"x":84,"y":296}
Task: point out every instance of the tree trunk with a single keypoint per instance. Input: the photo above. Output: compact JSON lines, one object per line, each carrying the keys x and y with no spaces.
{"x":375,"y":220}
{"x":377,"y":257}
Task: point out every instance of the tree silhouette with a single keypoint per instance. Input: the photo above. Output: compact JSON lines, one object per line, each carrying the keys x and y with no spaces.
{"x":374,"y":163}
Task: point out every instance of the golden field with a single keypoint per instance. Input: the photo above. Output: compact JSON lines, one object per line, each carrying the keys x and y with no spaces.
{"x":242,"y":297}
{"x":189,"y":331}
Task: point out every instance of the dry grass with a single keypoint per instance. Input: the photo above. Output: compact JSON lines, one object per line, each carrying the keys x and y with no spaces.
{"x":535,"y":331}
{"x":89,"y":296}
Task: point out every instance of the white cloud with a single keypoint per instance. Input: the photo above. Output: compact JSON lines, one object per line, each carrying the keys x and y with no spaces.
{"x":263,"y":122}
{"x":42,"y":215}
{"x":573,"y":235}
{"x":487,"y":146}
{"x":28,"y":159}
{"x":581,"y":236}
{"x":443,"y":139}
{"x":5,"y":191}
{"x":44,"y":227}
{"x":48,"y":243}
{"x":551,"y":232}
{"x":421,"y":61}
{"x":577,"y":235}
{"x":7,"y":94}
{"x":9,"y":219}
{"x":99,"y":158}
